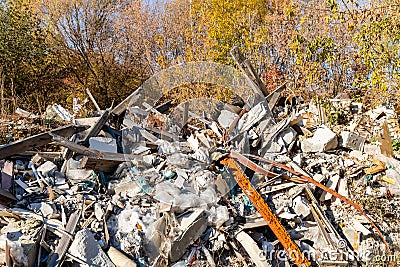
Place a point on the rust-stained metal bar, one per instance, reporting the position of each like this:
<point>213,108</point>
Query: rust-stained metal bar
<point>250,164</point>
<point>280,232</point>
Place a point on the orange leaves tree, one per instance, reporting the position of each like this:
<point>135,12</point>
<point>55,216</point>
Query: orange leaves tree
<point>92,41</point>
<point>320,47</point>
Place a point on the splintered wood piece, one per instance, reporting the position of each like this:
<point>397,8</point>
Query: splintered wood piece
<point>386,141</point>
<point>38,140</point>
<point>57,257</point>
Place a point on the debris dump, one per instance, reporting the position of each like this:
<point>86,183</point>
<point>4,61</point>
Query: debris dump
<point>272,181</point>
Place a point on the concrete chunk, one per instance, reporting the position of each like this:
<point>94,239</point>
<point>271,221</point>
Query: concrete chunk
<point>301,206</point>
<point>86,248</point>
<point>288,136</point>
<point>323,140</point>
<point>47,167</point>
<point>332,184</point>
<point>103,144</point>
<point>351,140</point>
<point>43,208</point>
<point>226,118</point>
<point>192,225</point>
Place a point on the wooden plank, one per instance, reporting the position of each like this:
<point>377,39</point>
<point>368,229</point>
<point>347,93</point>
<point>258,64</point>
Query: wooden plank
<point>7,175</point>
<point>95,130</point>
<point>8,255</point>
<point>57,257</point>
<point>163,134</point>
<point>185,113</point>
<point>273,97</point>
<point>96,160</point>
<point>247,68</point>
<point>256,254</point>
<point>121,107</point>
<point>164,107</point>
<point>93,100</point>
<point>386,141</point>
<point>38,140</point>
<point>46,155</point>
<point>148,136</point>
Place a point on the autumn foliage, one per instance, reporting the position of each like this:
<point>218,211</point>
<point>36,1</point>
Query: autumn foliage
<point>51,51</point>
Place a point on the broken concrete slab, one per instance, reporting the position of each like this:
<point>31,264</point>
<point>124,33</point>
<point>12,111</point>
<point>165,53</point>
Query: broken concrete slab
<point>103,144</point>
<point>288,136</point>
<point>192,224</point>
<point>86,248</point>
<point>256,114</point>
<point>226,118</point>
<point>46,168</point>
<point>323,140</point>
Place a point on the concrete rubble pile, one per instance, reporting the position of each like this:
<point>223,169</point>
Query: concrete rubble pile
<point>148,192</point>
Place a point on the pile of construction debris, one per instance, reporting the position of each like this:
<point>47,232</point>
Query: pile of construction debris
<point>273,183</point>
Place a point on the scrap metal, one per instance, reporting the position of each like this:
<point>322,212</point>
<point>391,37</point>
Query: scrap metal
<point>280,232</point>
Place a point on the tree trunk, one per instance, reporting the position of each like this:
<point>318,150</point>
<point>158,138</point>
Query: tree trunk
<point>2,91</point>
<point>14,101</point>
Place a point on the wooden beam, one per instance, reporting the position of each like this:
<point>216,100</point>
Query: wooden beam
<point>46,155</point>
<point>247,68</point>
<point>273,97</point>
<point>38,140</point>
<point>107,164</point>
<point>57,257</point>
<point>93,100</point>
<point>164,107</point>
<point>96,160</point>
<point>121,107</point>
<point>95,130</point>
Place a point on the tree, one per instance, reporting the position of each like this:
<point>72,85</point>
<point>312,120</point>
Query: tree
<point>90,38</point>
<point>378,39</point>
<point>22,49</point>
<point>321,47</point>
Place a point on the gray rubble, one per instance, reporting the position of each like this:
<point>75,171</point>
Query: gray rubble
<point>135,194</point>
<point>86,249</point>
